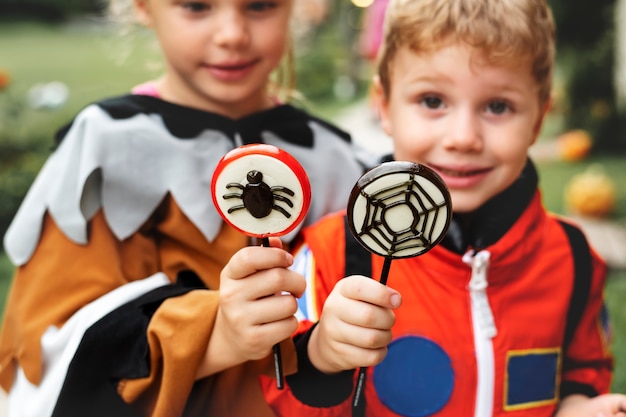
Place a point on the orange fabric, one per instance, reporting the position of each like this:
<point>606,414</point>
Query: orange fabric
<point>530,279</point>
<point>63,276</point>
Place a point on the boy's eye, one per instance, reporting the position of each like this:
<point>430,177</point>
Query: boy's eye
<point>432,102</point>
<point>497,107</point>
<point>260,6</point>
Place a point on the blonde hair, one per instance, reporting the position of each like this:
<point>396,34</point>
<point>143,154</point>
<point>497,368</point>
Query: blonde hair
<point>283,81</point>
<point>511,31</point>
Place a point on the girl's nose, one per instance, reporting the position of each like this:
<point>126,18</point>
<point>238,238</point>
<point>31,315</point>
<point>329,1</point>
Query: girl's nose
<point>464,133</point>
<point>231,30</point>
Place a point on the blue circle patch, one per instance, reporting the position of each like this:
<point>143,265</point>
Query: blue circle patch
<point>416,378</point>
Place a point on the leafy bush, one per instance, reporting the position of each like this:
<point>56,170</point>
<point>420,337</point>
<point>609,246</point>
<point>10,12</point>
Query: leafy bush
<point>47,10</point>
<point>21,151</point>
<point>586,45</point>
<point>19,164</point>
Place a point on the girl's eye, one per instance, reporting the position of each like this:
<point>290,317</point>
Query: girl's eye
<point>498,107</point>
<point>196,7</point>
<point>432,102</point>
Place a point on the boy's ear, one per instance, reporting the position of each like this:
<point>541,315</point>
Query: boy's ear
<point>539,123</point>
<point>383,104</point>
<point>142,12</point>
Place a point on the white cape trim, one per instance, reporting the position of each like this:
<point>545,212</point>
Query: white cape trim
<point>59,347</point>
<point>127,166</point>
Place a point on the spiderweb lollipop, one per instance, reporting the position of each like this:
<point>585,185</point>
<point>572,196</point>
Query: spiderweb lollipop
<point>397,210</point>
<point>262,191</point>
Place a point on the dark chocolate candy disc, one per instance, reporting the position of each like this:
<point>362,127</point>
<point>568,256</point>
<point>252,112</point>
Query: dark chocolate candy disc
<point>399,209</point>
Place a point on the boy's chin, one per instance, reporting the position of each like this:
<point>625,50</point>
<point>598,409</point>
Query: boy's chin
<point>466,204</point>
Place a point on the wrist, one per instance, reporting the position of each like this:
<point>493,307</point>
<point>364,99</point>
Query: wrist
<point>221,353</point>
<point>316,354</point>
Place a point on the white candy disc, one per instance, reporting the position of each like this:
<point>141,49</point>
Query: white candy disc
<point>261,190</point>
<point>399,209</point>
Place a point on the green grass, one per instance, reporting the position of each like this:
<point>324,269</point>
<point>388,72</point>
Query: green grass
<point>6,272</point>
<point>87,59</point>
<point>615,293</point>
<point>555,175</point>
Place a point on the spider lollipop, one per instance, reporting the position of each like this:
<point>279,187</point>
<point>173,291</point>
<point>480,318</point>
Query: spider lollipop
<point>398,210</point>
<point>262,191</point>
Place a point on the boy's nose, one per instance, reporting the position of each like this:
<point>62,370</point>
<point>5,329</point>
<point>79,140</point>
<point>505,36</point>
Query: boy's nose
<point>464,133</point>
<point>231,30</point>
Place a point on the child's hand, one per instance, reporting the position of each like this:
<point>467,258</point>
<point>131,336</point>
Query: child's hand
<point>256,308</point>
<point>607,405</point>
<point>355,326</point>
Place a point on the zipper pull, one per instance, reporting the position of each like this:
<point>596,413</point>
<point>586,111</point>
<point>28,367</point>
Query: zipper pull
<point>479,262</point>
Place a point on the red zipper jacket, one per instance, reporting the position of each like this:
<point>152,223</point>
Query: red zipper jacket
<point>480,334</point>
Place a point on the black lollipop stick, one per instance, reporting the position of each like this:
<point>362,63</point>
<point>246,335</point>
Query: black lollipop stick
<point>397,210</point>
<point>261,191</point>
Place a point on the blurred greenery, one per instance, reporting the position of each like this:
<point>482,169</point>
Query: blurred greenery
<point>47,10</point>
<point>6,274</point>
<point>615,292</point>
<point>555,175</point>
<point>586,49</point>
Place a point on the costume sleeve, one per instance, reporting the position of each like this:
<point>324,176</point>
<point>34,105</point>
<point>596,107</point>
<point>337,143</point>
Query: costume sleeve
<point>78,321</point>
<point>588,363</point>
<point>176,330</point>
<point>309,392</point>
<point>94,298</point>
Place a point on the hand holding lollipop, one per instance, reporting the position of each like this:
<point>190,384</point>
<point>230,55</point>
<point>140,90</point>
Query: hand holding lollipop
<point>398,210</point>
<point>262,191</point>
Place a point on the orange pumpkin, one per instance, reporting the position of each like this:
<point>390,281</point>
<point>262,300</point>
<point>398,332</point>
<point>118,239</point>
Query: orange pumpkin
<point>5,79</point>
<point>590,193</point>
<point>574,145</point>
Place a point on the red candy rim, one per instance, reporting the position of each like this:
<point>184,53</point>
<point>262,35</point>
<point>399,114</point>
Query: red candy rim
<point>273,152</point>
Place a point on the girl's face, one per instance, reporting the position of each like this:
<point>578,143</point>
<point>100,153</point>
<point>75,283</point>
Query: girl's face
<point>471,121</point>
<point>219,54</point>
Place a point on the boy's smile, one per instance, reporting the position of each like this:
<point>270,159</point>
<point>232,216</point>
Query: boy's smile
<point>470,120</point>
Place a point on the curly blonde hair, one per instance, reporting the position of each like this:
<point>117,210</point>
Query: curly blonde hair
<point>510,31</point>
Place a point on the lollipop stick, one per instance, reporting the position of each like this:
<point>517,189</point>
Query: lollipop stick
<point>360,382</point>
<point>278,366</point>
<point>261,191</point>
<point>385,272</point>
<point>278,361</point>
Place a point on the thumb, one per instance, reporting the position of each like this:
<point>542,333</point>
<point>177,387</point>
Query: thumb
<point>395,299</point>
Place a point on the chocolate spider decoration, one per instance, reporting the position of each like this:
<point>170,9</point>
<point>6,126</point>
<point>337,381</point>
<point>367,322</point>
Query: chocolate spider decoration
<point>397,210</point>
<point>258,197</point>
<point>275,195</point>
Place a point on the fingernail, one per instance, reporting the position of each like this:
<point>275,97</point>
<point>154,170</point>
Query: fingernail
<point>395,299</point>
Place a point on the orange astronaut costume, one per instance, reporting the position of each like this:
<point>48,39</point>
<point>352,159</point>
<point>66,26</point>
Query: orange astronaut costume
<point>505,317</point>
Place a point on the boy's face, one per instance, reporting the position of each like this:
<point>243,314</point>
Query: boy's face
<point>470,121</point>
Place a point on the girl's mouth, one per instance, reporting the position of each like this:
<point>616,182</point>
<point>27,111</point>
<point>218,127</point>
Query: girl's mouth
<point>231,72</point>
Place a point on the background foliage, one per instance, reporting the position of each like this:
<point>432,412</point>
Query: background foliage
<point>586,51</point>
